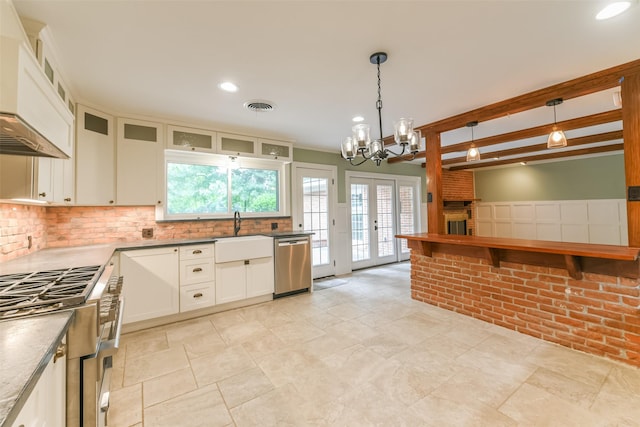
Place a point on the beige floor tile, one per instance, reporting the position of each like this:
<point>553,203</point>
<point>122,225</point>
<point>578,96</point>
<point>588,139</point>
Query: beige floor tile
<point>154,365</point>
<point>284,366</point>
<point>437,412</point>
<point>199,345</point>
<point>355,364</point>
<point>566,388</point>
<point>385,345</point>
<point>619,397</point>
<point>200,408</point>
<point>168,386</point>
<point>322,320</point>
<point>582,367</point>
<point>327,344</point>
<point>407,384</point>
<point>353,329</point>
<point>263,346</point>
<point>244,387</point>
<point>279,407</point>
<point>533,406</point>
<point>297,332</point>
<point>225,319</point>
<point>144,342</point>
<point>320,385</point>
<point>179,332</point>
<point>504,369</point>
<point>242,332</point>
<point>215,367</point>
<point>411,329</point>
<point>125,406</point>
<point>347,311</point>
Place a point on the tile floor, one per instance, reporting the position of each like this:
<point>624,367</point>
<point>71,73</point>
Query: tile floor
<point>361,354</point>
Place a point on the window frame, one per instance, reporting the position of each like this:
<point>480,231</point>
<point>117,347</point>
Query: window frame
<point>209,159</point>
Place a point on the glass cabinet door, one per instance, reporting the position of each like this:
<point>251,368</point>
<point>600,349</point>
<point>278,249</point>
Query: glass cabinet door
<point>183,138</point>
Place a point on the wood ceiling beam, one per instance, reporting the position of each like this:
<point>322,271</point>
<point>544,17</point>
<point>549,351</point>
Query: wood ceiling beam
<point>546,156</point>
<point>585,85</point>
<point>577,123</point>
<point>572,142</point>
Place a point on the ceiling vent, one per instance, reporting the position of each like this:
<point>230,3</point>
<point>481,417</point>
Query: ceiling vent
<point>259,105</point>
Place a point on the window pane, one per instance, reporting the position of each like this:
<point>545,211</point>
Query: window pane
<point>196,189</point>
<point>254,190</point>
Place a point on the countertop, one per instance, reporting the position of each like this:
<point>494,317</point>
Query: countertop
<point>26,347</point>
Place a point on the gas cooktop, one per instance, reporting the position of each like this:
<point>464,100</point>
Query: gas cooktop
<point>39,292</point>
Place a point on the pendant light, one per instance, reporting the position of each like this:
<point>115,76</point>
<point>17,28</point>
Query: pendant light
<point>360,143</point>
<point>556,138</point>
<point>473,153</point>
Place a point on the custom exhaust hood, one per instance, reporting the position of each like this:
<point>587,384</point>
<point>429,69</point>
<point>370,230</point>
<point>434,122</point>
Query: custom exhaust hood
<point>17,137</point>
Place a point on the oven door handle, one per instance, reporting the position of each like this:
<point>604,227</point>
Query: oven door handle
<point>110,348</point>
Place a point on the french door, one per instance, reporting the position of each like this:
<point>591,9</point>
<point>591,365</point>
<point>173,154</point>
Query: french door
<point>313,212</point>
<point>372,222</point>
<point>408,216</point>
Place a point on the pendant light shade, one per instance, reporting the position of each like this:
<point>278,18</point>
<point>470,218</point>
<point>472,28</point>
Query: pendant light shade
<point>556,138</point>
<point>473,153</point>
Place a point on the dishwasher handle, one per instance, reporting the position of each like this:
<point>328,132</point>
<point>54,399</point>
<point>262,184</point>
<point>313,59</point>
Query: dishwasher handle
<point>293,243</point>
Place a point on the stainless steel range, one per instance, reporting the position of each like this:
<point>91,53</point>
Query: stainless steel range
<point>93,337</point>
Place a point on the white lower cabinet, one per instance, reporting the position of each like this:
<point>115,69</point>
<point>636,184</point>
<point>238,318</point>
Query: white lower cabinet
<point>238,280</point>
<point>151,283</point>
<point>46,405</point>
<point>197,279</point>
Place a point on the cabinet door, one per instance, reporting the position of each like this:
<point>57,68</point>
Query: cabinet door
<point>138,163</point>
<point>231,279</point>
<point>150,287</point>
<point>237,145</point>
<point>95,158</point>
<point>45,180</point>
<point>260,277</point>
<point>57,392</point>
<point>181,138</point>
<point>277,150</point>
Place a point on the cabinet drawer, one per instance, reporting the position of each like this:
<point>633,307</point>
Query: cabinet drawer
<point>196,251</point>
<point>196,271</point>
<point>193,297</point>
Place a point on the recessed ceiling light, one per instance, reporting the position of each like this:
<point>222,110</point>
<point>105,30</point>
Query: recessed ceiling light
<point>358,119</point>
<point>613,9</point>
<point>228,87</point>
<point>523,163</point>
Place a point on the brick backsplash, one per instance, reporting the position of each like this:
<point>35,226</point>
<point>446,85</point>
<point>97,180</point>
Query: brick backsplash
<point>598,314</point>
<point>81,225</point>
<point>17,224</point>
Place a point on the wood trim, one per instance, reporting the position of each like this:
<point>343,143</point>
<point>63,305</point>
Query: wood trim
<point>631,132</point>
<point>578,123</point>
<point>575,258</point>
<point>591,83</point>
<point>546,156</point>
<point>572,142</point>
<point>435,218</point>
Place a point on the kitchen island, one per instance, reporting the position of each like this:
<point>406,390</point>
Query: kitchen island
<point>582,296</point>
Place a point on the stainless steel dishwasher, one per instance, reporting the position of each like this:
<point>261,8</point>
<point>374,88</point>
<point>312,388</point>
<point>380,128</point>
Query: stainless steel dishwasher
<point>292,264</point>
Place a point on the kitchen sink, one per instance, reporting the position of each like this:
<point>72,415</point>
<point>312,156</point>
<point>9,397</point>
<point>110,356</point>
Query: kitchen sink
<point>243,247</point>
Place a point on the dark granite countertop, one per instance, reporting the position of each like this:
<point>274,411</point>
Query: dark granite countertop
<point>26,346</point>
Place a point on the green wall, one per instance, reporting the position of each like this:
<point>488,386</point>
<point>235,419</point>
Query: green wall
<point>591,178</point>
<point>334,159</point>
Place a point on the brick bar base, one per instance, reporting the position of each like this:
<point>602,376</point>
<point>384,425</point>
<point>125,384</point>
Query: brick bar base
<point>599,314</point>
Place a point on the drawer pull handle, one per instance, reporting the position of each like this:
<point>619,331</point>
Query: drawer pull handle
<point>197,251</point>
<point>197,270</point>
<point>198,295</point>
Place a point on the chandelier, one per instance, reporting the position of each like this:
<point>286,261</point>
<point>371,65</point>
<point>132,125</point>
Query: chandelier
<point>360,143</point>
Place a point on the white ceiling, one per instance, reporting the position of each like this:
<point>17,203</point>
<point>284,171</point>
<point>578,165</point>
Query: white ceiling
<point>311,58</point>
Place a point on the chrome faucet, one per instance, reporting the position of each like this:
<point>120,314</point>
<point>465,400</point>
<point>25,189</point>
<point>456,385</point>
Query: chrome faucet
<point>236,223</point>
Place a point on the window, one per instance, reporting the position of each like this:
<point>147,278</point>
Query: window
<point>204,186</point>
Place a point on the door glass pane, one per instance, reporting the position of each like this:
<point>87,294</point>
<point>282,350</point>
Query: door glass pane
<point>384,195</point>
<point>315,202</point>
<point>360,222</point>
<point>406,214</point>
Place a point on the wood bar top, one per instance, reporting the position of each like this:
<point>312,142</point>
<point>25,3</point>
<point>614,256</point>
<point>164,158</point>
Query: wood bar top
<point>623,253</point>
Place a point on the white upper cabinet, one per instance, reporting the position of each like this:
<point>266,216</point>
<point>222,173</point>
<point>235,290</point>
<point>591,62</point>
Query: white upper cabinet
<point>26,90</point>
<point>278,150</point>
<point>139,162</point>
<point>95,158</point>
<point>237,145</point>
<point>190,139</point>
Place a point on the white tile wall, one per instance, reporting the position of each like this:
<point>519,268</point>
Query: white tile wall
<point>584,221</point>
